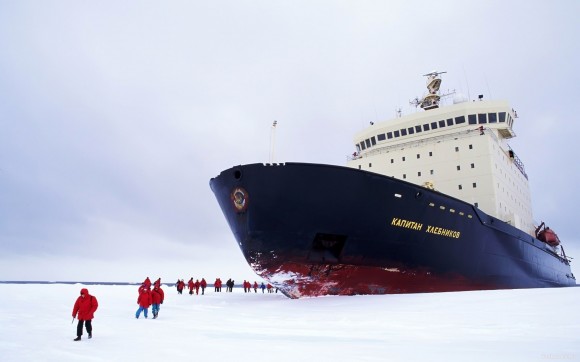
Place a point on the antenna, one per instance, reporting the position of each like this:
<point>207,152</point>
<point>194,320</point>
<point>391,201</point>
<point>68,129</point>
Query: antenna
<point>273,141</point>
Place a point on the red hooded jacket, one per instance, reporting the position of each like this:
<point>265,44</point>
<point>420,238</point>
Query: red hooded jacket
<point>144,299</point>
<point>157,295</point>
<point>85,306</point>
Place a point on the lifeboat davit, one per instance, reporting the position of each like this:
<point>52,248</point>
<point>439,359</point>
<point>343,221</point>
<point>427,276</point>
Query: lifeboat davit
<point>547,235</point>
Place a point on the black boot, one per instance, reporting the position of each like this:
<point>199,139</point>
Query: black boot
<point>77,339</point>
<point>90,335</point>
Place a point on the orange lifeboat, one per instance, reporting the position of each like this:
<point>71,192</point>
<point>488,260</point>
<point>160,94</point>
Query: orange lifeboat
<point>547,235</point>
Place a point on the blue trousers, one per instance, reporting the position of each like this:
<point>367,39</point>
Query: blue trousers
<point>155,308</point>
<point>145,311</point>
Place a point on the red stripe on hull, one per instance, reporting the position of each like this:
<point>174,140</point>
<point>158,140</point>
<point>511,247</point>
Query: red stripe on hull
<point>299,280</point>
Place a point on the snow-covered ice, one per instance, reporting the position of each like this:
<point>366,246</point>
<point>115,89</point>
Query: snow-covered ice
<point>507,325</point>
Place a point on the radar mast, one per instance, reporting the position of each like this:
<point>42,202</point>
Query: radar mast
<point>431,100</point>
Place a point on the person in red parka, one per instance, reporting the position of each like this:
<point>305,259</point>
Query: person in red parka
<point>85,306</point>
<point>203,284</point>
<point>180,286</point>
<point>190,285</point>
<point>144,302</point>
<point>157,296</point>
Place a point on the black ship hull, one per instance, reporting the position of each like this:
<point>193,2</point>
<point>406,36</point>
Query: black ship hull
<point>315,230</point>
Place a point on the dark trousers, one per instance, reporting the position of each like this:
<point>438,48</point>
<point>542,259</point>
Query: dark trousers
<point>88,325</point>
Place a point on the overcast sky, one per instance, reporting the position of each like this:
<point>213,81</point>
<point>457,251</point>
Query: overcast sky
<point>115,115</point>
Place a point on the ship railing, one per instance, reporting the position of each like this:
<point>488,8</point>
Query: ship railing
<point>519,164</point>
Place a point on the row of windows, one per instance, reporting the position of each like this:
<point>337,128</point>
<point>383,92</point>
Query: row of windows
<point>480,118</point>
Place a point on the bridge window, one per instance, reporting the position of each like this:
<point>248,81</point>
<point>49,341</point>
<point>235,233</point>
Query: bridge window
<point>433,125</point>
<point>373,141</point>
<point>426,127</point>
<point>492,117</point>
<point>368,143</point>
<point>502,117</point>
<point>411,130</point>
<point>417,129</point>
<point>460,119</point>
<point>389,135</point>
<point>441,123</point>
<point>450,121</point>
<point>381,137</point>
<point>403,132</point>
<point>472,119</point>
<point>482,118</point>
<point>397,134</point>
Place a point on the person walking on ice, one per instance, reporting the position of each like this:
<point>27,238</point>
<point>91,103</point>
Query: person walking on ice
<point>144,302</point>
<point>85,306</point>
<point>157,296</point>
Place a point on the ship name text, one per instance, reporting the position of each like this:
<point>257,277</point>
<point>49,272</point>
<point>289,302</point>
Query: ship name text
<point>413,225</point>
<point>443,232</point>
<point>407,224</point>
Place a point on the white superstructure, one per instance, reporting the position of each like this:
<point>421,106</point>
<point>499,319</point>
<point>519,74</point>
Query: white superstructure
<point>460,150</point>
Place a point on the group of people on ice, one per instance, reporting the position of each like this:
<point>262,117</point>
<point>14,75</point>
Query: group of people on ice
<point>150,298</point>
<point>86,304</point>
<point>180,285</point>
<point>248,287</point>
<point>191,285</point>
